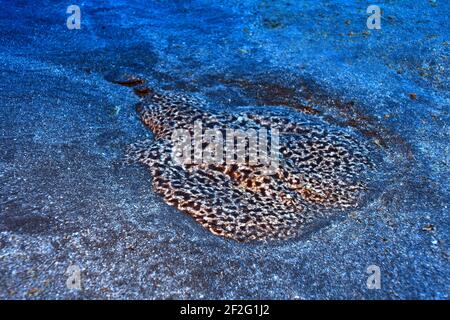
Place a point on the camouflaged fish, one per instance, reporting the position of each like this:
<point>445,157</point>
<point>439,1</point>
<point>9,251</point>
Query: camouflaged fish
<point>320,168</point>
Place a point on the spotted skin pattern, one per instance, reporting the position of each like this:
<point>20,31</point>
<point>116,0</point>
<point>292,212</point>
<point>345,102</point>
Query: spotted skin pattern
<point>320,169</point>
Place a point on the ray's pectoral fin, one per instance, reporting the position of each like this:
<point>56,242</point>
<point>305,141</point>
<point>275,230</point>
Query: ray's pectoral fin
<point>141,151</point>
<point>223,207</point>
<point>326,170</point>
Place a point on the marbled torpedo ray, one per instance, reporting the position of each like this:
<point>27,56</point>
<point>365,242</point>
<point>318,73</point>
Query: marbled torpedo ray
<point>321,168</point>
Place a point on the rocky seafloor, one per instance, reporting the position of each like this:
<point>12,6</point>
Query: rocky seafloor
<point>67,198</point>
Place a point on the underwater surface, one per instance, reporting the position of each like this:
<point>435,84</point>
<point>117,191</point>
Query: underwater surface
<point>67,198</point>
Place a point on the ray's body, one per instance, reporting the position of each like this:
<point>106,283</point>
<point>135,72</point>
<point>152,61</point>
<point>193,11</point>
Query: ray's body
<point>320,168</point>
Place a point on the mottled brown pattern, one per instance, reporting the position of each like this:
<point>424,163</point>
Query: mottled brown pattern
<point>321,168</point>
